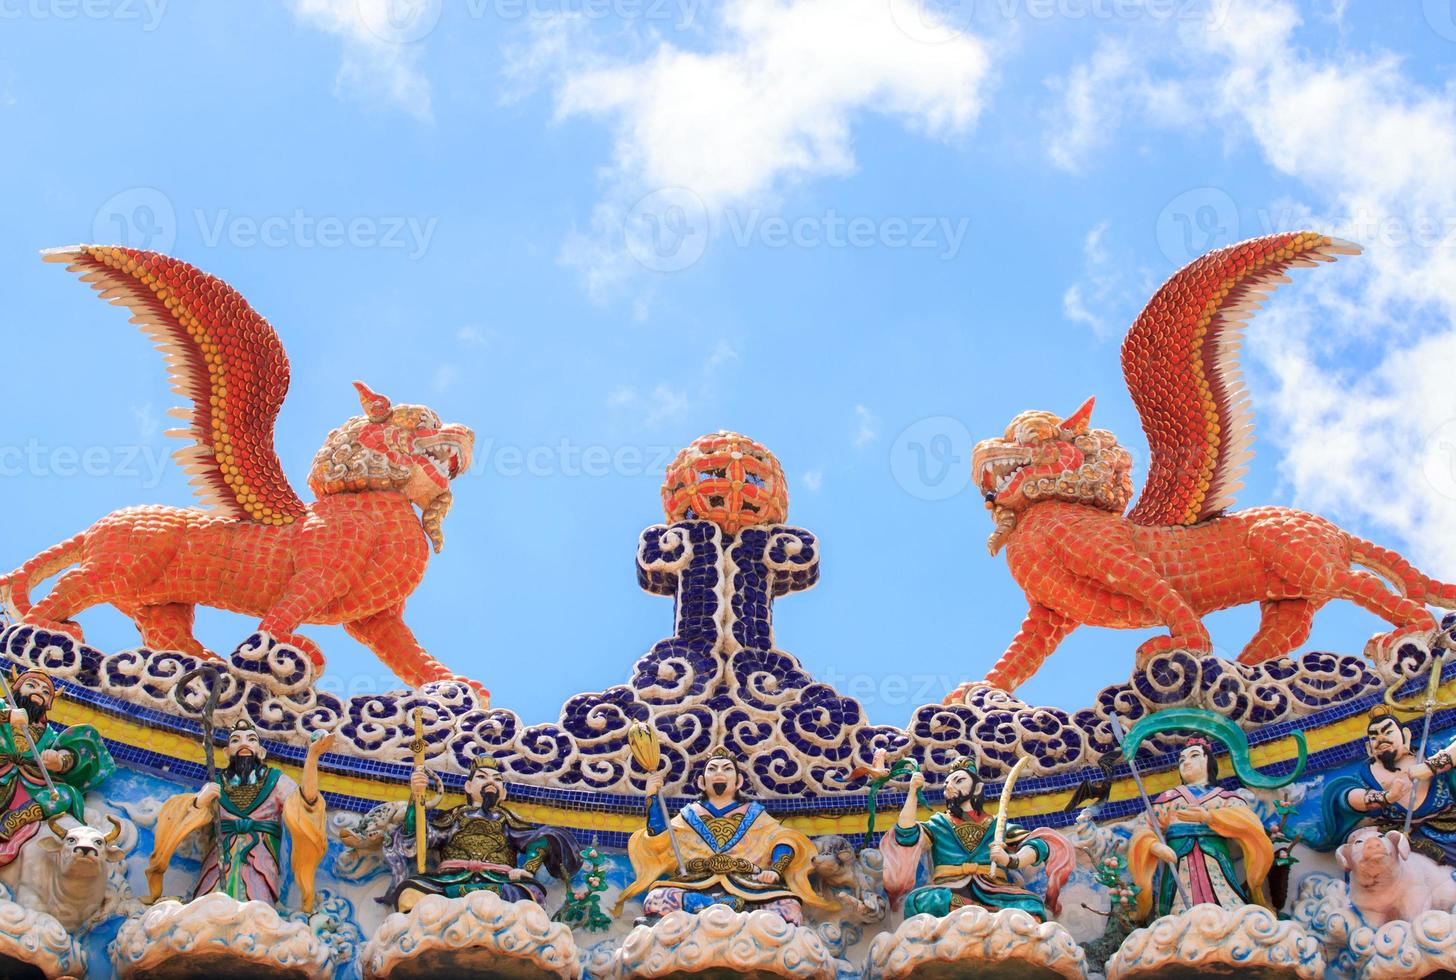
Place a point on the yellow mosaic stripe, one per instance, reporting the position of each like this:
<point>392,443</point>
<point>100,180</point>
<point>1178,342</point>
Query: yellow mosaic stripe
<point>188,749</point>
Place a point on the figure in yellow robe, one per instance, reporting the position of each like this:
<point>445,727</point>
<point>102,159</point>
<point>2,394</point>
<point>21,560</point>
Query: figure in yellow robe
<point>1200,821</point>
<point>734,853</point>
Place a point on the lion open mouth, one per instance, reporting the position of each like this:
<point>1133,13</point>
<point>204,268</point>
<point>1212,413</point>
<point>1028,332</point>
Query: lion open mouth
<point>446,452</point>
<point>445,459</point>
<point>995,475</point>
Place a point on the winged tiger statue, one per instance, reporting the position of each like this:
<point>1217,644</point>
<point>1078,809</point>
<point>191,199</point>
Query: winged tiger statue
<point>350,558</point>
<point>1057,490</point>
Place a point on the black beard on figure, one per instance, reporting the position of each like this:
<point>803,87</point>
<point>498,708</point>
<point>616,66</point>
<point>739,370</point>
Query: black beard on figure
<point>240,767</point>
<point>1389,759</point>
<point>35,708</point>
<point>963,804</point>
<point>489,799</point>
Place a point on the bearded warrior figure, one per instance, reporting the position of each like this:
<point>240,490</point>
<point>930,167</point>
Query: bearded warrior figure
<point>1394,786</point>
<point>969,866</point>
<point>1057,489</point>
<point>250,805</point>
<point>481,845</point>
<point>351,558</point>
<point>75,758</point>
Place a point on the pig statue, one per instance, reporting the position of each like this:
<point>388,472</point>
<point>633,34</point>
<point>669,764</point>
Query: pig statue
<point>1388,883</point>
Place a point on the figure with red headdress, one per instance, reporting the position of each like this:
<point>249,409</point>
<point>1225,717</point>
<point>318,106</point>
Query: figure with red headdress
<point>75,758</point>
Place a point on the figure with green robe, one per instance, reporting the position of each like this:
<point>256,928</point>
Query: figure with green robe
<point>244,812</point>
<point>968,867</point>
<point>75,758</point>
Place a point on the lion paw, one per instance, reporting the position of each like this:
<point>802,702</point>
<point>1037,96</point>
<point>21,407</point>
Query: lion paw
<point>304,645</point>
<point>67,627</point>
<point>480,689</point>
<point>1166,644</point>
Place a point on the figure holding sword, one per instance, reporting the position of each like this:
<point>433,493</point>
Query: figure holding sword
<point>1203,843</point>
<point>975,857</point>
<point>44,772</point>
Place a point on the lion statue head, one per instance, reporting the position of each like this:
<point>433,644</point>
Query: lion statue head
<point>1044,457</point>
<point>395,447</point>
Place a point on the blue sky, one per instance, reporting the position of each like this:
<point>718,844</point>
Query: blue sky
<point>864,232</point>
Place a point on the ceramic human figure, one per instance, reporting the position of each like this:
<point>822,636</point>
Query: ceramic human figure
<point>1380,793</point>
<point>481,845</point>
<point>734,853</point>
<point>75,758</point>
<point>1201,822</point>
<point>968,866</point>
<point>253,804</point>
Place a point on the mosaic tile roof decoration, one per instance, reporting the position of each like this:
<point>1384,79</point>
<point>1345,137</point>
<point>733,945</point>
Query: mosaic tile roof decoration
<point>822,870</point>
<point>718,679</point>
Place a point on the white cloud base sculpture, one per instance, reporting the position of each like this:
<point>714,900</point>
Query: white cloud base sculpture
<point>477,935</point>
<point>37,940</point>
<point>1207,940</point>
<point>218,936</point>
<point>720,942</point>
<point>974,941</point>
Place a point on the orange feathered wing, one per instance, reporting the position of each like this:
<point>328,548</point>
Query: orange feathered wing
<point>222,356</point>
<point>1180,360</point>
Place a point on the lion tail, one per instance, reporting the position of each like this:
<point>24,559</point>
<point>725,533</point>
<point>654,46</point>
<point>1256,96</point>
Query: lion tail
<point>15,587</point>
<point>1408,579</point>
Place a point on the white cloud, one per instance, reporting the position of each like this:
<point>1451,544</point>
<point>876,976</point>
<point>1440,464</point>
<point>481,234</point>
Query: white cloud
<point>867,427</point>
<point>379,63</point>
<point>445,376</point>
<point>667,404</point>
<point>1085,299</point>
<point>148,423</point>
<point>1096,94</point>
<point>814,480</point>
<point>472,336</point>
<point>622,395</point>
<point>1359,424</point>
<point>1360,413</point>
<point>771,100</point>
<point>724,353</point>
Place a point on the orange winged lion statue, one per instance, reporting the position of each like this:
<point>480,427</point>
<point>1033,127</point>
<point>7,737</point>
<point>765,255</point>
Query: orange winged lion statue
<point>351,558</point>
<point>1057,489</point>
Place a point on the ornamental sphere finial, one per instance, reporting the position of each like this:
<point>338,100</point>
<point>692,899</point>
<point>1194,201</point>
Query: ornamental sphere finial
<point>728,479</point>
